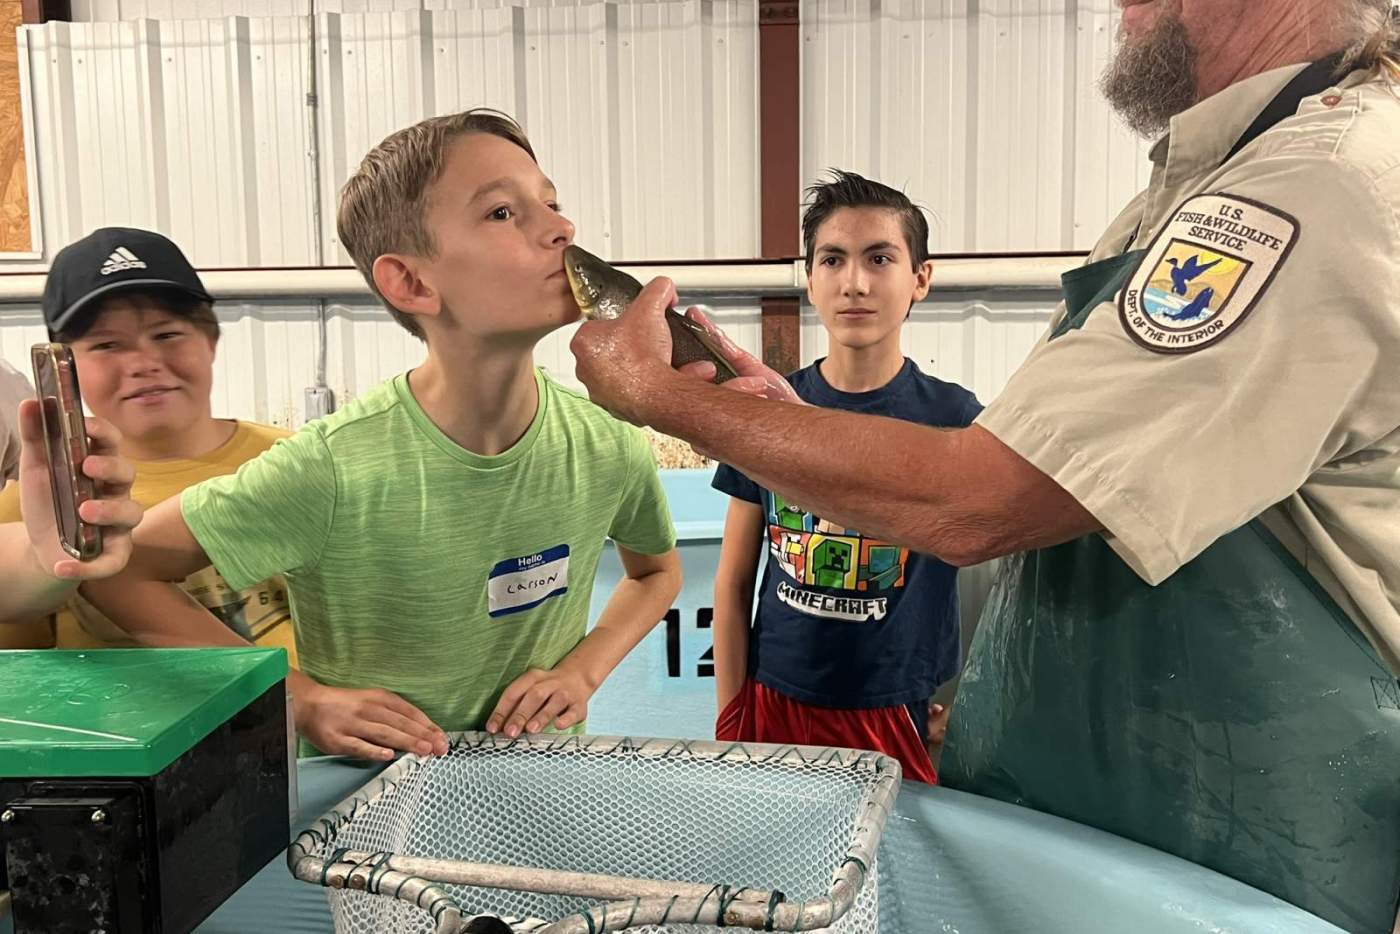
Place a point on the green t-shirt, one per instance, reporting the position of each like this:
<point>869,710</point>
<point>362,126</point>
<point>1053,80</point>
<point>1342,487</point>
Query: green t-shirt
<point>417,566</point>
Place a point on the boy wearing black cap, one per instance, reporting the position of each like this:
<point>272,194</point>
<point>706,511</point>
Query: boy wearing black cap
<point>143,333</point>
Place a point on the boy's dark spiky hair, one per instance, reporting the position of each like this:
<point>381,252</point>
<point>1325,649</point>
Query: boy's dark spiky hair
<point>849,190</point>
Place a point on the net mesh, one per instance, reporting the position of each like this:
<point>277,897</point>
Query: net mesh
<point>743,817</point>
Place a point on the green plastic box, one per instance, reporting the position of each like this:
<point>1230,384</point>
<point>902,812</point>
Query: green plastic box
<point>121,711</point>
<point>139,788</point>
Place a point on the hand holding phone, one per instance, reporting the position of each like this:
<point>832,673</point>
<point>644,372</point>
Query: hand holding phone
<point>74,487</point>
<point>65,448</point>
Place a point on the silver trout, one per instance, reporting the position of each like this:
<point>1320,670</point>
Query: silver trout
<point>603,291</point>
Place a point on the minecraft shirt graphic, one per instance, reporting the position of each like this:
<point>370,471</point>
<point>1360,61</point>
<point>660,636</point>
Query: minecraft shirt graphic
<point>813,552</point>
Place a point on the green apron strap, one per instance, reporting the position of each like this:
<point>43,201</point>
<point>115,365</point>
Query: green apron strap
<point>1087,287</point>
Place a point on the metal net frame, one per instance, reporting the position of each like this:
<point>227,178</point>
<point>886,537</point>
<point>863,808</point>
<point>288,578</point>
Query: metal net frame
<point>573,834</point>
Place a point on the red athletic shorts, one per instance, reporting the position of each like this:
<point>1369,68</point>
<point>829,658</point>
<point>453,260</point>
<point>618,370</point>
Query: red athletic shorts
<point>760,714</point>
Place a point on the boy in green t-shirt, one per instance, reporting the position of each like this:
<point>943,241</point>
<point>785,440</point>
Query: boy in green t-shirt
<point>439,535</point>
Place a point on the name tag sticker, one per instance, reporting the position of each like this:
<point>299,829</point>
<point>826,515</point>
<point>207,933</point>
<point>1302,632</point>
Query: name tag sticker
<point>519,584</point>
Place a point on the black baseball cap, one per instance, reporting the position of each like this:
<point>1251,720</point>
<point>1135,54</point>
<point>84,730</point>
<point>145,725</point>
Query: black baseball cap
<point>111,260</point>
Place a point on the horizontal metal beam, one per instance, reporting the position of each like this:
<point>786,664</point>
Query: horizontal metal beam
<point>741,279</point>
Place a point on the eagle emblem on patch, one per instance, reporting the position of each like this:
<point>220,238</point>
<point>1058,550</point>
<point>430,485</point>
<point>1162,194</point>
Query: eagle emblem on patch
<point>1204,272</point>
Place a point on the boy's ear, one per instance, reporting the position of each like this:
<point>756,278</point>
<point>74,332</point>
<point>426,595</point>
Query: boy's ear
<point>397,278</point>
<point>923,279</point>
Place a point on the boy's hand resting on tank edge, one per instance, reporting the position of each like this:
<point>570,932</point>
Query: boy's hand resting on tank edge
<point>364,723</point>
<point>540,697</point>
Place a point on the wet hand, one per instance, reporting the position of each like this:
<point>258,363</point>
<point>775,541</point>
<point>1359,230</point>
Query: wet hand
<point>755,377</point>
<point>112,509</point>
<point>623,362</point>
<point>538,698</point>
<point>363,723</point>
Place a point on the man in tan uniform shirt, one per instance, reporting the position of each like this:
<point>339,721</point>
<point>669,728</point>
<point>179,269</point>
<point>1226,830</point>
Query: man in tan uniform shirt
<point>1213,672</point>
<point>1297,417</point>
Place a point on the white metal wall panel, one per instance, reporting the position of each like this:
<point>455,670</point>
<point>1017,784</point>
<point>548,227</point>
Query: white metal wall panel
<point>683,163</point>
<point>607,93</point>
<point>985,111</point>
<point>20,329</point>
<point>1109,161</point>
<point>195,128</point>
<point>266,358</point>
<point>281,166</point>
<point>192,118</point>
<point>198,128</point>
<point>1019,128</point>
<point>365,346</point>
<point>372,81</point>
<point>116,10</point>
<point>111,10</point>
<point>93,141</point>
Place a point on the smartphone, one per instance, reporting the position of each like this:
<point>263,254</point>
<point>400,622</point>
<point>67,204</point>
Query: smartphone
<point>66,444</point>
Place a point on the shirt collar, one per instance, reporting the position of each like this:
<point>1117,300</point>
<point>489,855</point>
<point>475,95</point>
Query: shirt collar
<point>1201,137</point>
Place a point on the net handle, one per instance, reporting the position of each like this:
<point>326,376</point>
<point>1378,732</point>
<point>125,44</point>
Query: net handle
<point>529,879</point>
<point>772,914</point>
<point>374,876</point>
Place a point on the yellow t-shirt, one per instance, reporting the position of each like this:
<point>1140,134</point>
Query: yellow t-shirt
<point>258,612</point>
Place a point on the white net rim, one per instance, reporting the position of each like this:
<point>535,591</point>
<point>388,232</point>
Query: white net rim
<point>627,901</point>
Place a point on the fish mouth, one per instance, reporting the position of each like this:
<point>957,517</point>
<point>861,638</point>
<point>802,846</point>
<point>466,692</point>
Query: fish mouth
<point>576,271</point>
<point>600,290</point>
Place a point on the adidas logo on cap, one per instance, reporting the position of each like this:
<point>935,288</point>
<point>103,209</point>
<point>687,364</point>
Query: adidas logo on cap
<point>121,258</point>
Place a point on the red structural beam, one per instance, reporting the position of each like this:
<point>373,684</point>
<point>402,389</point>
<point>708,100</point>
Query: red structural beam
<point>41,11</point>
<point>780,184</point>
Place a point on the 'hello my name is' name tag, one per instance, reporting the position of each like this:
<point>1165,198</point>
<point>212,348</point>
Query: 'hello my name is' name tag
<point>518,584</point>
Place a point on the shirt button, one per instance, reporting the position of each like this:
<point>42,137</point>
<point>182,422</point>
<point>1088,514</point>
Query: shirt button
<point>1332,99</point>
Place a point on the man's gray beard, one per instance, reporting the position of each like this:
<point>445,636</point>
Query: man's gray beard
<point>1152,79</point>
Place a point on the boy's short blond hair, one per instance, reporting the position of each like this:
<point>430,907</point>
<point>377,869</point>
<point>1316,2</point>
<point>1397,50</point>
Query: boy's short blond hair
<point>382,206</point>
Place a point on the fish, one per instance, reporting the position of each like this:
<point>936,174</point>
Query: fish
<point>603,291</point>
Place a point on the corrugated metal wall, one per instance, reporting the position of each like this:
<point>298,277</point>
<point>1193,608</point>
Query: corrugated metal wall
<point>196,128</point>
<point>986,110</point>
<point>644,114</point>
<point>192,117</point>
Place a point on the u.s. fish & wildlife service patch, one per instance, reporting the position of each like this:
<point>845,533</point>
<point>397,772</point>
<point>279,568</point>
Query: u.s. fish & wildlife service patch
<point>1204,272</point>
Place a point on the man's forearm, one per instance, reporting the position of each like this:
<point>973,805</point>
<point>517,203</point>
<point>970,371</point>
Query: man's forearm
<point>30,590</point>
<point>888,478</point>
<point>959,495</point>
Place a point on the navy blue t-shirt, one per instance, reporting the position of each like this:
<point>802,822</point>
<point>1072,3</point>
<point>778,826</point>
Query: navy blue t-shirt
<point>844,620</point>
